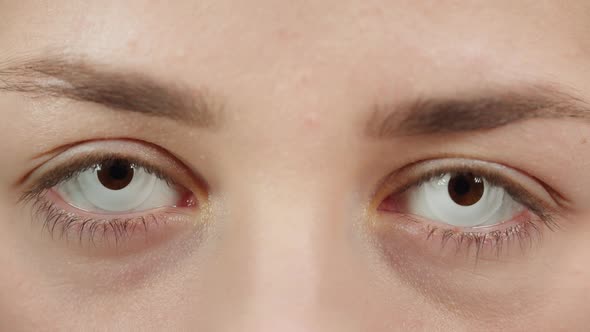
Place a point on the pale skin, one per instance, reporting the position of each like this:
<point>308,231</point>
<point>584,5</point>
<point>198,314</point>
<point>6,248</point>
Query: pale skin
<point>286,236</point>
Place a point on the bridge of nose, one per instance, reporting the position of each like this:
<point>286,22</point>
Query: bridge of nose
<point>291,248</point>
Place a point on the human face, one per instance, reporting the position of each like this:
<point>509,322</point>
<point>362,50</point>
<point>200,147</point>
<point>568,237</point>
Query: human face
<point>362,165</point>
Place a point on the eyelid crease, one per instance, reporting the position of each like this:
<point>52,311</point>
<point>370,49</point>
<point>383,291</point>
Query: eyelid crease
<point>49,155</point>
<point>85,159</point>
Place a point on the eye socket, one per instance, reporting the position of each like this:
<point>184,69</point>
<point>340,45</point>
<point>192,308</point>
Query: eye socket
<point>105,191</point>
<point>119,186</point>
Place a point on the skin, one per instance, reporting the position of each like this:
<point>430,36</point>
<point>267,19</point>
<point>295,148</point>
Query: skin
<point>290,241</point>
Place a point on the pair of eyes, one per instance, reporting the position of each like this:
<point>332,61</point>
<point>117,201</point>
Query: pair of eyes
<point>454,196</point>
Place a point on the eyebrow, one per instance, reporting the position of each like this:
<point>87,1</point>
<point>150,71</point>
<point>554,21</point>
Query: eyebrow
<point>478,111</point>
<point>122,90</point>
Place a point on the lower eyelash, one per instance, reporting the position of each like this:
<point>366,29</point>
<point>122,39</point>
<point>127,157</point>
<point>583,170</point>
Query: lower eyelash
<point>64,224</point>
<point>494,240</point>
<point>524,233</point>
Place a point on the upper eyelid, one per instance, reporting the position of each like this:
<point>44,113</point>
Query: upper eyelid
<point>77,167</point>
<point>419,172</point>
<point>146,155</point>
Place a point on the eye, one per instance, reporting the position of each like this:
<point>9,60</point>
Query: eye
<point>117,186</point>
<point>465,193</point>
<point>462,199</point>
<point>482,207</point>
<point>106,191</point>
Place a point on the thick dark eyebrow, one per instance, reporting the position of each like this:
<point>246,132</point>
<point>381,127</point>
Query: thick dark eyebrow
<point>124,90</point>
<point>478,111</point>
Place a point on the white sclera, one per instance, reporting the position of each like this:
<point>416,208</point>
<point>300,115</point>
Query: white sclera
<point>145,191</point>
<point>432,200</point>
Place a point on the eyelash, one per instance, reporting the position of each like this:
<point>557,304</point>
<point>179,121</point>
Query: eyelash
<point>539,216</point>
<point>59,222</point>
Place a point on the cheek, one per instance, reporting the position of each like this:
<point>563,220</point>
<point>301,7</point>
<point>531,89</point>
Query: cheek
<point>570,258</point>
<point>27,292</point>
<point>453,283</point>
<point>505,291</point>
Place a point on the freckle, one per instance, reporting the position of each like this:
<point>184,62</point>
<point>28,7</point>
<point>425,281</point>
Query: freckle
<point>311,120</point>
<point>584,141</point>
<point>286,35</point>
<point>132,44</point>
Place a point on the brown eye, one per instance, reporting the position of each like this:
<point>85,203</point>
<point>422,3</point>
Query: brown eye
<point>116,174</point>
<point>466,189</point>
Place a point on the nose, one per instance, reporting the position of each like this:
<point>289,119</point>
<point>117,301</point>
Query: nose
<point>293,250</point>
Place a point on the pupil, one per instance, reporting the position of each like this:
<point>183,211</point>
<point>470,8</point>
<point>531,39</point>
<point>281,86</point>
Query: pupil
<point>115,175</point>
<point>119,172</point>
<point>462,186</point>
<point>466,189</point>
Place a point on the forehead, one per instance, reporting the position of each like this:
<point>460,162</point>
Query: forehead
<point>345,48</point>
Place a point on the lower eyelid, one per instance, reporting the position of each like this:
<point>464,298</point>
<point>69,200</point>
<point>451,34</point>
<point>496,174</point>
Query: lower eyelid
<point>61,221</point>
<point>53,197</point>
<point>441,240</point>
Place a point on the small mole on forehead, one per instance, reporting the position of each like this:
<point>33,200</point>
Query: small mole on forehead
<point>310,120</point>
<point>285,34</point>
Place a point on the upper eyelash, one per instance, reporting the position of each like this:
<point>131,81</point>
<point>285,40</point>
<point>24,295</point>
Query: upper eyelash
<point>516,191</point>
<point>80,165</point>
